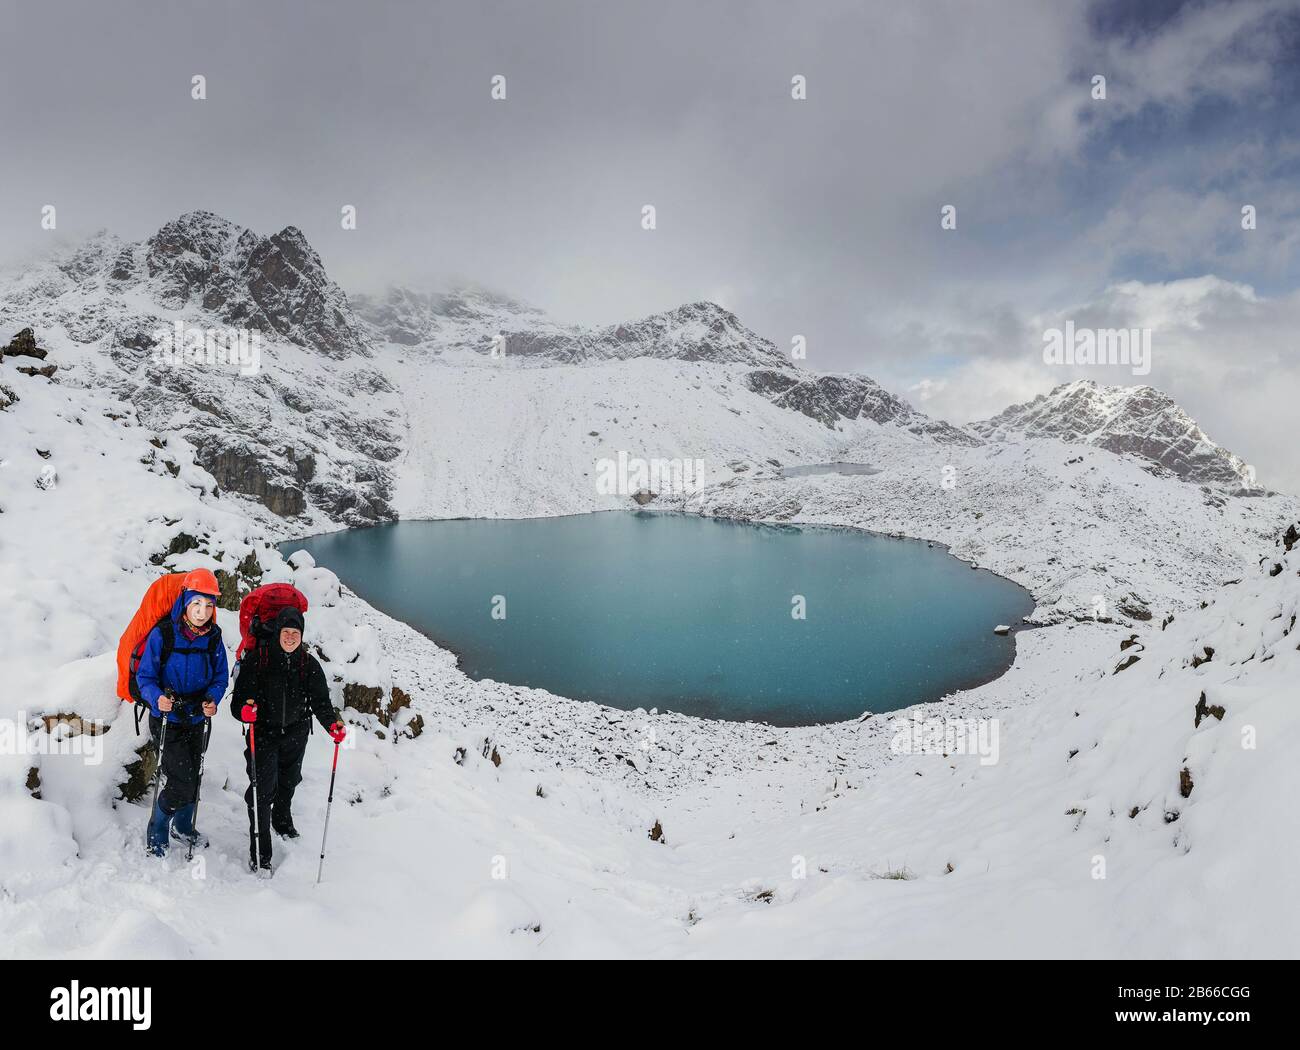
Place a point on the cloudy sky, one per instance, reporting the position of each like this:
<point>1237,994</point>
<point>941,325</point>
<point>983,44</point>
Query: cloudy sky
<point>818,217</point>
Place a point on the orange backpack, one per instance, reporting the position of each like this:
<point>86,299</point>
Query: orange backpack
<point>157,603</point>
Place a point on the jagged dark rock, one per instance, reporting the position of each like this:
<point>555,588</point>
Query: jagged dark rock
<point>231,594</point>
<point>238,468</point>
<point>352,504</point>
<point>139,772</point>
<point>249,567</point>
<point>830,398</point>
<point>1204,710</point>
<point>1132,606</point>
<point>365,699</point>
<point>272,284</point>
<point>181,543</point>
<point>24,345</point>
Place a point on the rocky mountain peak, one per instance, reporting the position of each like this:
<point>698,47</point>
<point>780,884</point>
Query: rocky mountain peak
<point>1140,420</point>
<point>699,331</point>
<point>273,284</point>
<point>473,317</point>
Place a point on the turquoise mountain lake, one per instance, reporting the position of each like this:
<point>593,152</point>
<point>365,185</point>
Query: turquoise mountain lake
<point>687,613</point>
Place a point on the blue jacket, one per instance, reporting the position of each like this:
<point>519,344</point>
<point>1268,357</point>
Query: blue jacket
<point>189,669</point>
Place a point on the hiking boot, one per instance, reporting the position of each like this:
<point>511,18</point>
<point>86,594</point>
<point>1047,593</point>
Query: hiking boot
<point>264,853</point>
<point>155,844</point>
<point>183,829</point>
<point>284,828</point>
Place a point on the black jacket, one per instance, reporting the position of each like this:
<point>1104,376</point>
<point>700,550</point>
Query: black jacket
<point>287,687</point>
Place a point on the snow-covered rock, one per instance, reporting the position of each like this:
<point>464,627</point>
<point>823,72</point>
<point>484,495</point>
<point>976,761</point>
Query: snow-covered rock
<point>274,284</point>
<point>1139,421</point>
<point>310,433</point>
<point>829,398</point>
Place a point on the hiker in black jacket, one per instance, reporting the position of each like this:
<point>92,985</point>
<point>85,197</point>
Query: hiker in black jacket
<point>279,687</point>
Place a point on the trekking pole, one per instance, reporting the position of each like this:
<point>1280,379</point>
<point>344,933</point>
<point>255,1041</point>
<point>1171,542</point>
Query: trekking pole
<point>328,805</point>
<point>252,765</point>
<point>198,787</point>
<point>157,773</point>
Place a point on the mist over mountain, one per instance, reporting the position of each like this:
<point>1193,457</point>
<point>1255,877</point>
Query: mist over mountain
<point>322,427</point>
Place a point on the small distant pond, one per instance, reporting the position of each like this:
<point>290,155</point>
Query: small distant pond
<point>829,468</point>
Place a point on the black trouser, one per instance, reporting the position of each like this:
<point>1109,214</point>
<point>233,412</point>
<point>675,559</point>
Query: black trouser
<point>180,762</point>
<point>280,751</point>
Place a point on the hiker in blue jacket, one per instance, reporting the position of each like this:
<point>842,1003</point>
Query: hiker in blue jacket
<point>182,676</point>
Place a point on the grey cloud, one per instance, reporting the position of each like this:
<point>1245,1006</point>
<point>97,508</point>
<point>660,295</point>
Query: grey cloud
<point>818,218</point>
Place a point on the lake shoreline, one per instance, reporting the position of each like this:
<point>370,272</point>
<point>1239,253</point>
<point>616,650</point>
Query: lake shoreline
<point>603,699</point>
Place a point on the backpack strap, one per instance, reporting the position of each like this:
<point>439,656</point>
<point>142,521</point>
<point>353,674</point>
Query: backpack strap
<point>168,631</point>
<point>168,634</point>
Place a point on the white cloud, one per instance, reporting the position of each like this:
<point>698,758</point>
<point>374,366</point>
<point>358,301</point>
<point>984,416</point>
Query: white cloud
<point>1229,356</point>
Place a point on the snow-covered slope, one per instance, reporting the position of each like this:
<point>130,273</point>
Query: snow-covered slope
<point>508,821</point>
<point>818,841</point>
<point>311,433</point>
<point>1090,534</point>
<point>1127,420</point>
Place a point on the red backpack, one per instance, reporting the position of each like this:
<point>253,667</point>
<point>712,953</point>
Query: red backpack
<point>258,610</point>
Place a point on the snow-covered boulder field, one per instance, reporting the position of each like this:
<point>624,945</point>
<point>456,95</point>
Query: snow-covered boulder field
<point>1139,800</point>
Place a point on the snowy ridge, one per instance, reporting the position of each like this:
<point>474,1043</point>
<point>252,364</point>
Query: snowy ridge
<point>320,434</point>
<point>472,318</point>
<point>828,398</point>
<point>465,318</point>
